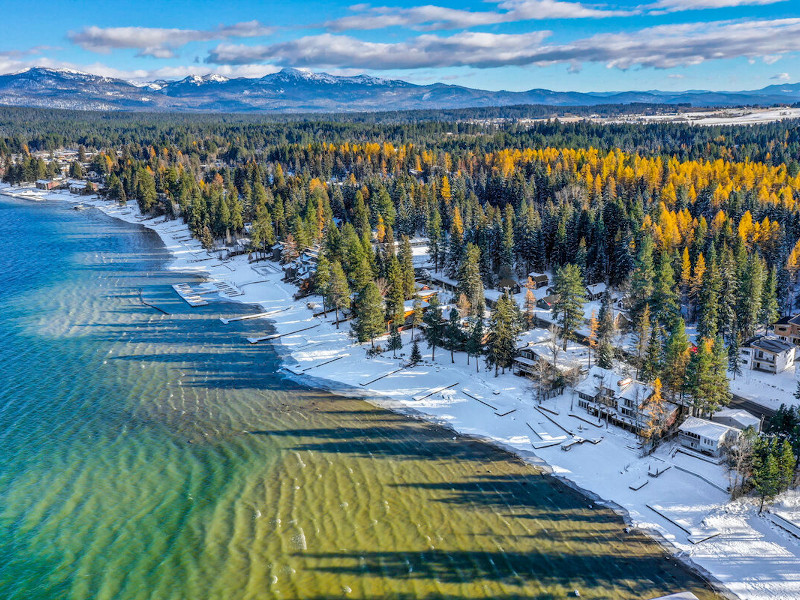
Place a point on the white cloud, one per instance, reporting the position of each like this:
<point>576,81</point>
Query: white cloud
<point>660,47</point>
<point>430,17</point>
<point>328,50</point>
<point>158,42</point>
<point>781,77</point>
<point>667,6</point>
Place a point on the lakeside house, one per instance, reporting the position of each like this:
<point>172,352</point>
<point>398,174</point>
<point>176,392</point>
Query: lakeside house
<point>767,353</point>
<point>706,436</point>
<point>737,418</point>
<point>623,401</point>
<point>48,184</point>
<point>788,329</point>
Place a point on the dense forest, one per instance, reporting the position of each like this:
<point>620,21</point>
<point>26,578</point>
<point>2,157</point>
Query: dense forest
<point>698,225</point>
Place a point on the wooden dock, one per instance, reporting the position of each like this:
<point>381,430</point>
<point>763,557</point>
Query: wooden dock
<point>263,315</point>
<point>275,336</point>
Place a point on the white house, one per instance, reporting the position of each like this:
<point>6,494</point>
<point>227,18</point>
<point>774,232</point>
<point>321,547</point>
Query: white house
<point>767,353</point>
<point>706,436</point>
<point>738,418</point>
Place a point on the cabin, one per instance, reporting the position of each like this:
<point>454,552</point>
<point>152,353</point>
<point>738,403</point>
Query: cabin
<point>47,184</point>
<point>737,418</point>
<point>622,401</point>
<point>539,280</point>
<point>509,284</point>
<point>767,353</point>
<point>788,329</point>
<point>706,436</point>
<point>533,358</point>
<point>546,303</point>
<point>595,291</point>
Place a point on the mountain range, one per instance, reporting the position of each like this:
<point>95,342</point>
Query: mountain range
<point>294,90</point>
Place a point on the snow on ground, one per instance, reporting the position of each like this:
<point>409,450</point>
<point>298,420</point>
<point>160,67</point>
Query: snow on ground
<point>685,503</point>
<point>765,388</point>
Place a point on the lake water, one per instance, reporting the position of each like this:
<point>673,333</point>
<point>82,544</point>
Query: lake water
<point>152,456</point>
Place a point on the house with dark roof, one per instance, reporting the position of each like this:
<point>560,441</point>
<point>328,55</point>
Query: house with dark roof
<point>767,353</point>
<point>788,329</point>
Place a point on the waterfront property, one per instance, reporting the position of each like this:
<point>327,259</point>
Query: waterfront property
<point>623,401</point>
<point>706,436</point>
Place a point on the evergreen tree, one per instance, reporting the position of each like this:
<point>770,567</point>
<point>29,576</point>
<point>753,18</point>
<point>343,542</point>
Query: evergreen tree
<point>734,362</point>
<point>605,333</point>
<point>642,285</point>
<point>469,279</point>
<point>570,296</point>
<point>395,341</point>
<point>665,296</point>
<point>434,329</point>
<point>416,315</point>
<point>676,358</point>
<point>322,278</point>
<point>369,314</point>
<point>338,292</point>
<point>768,312</point>
<point>503,332</point>
<point>454,337</point>
<point>416,355</point>
<point>474,343</point>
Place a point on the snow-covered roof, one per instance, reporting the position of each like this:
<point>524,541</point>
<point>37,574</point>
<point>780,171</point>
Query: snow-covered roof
<point>769,343</point>
<point>737,415</point>
<point>596,288</point>
<point>705,429</point>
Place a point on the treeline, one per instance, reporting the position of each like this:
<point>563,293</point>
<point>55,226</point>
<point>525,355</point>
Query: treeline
<point>706,236</point>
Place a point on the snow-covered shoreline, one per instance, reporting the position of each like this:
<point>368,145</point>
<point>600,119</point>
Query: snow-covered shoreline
<point>745,552</point>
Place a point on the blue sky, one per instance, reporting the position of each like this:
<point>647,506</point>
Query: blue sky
<point>493,44</point>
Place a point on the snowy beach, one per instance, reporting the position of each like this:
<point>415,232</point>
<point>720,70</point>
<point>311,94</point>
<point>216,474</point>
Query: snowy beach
<point>678,497</point>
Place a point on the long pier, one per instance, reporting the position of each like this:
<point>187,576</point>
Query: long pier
<point>255,316</point>
<point>275,336</point>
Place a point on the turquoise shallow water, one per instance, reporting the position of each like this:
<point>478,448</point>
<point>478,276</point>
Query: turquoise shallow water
<point>150,456</point>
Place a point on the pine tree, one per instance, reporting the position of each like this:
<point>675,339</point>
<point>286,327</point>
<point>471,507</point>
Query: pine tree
<point>676,358</point>
<point>605,333</point>
<point>474,345</point>
<point>435,238</point>
<point>416,355</point>
<point>642,285</point>
<point>406,258</point>
<point>453,335</point>
<point>322,278</point>
<point>395,341</point>
<point>708,302</point>
<point>570,296</point>
<point>593,325</point>
<point>768,312</point>
<point>665,296</point>
<point>642,332</point>
<point>734,362</point>
<point>434,329</point>
<point>503,332</point>
<point>338,290</point>
<point>469,279</point>
<point>416,315</point>
<point>369,314</point>
<point>395,295</point>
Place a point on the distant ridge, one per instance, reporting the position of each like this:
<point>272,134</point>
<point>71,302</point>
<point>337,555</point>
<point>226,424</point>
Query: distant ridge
<point>295,90</point>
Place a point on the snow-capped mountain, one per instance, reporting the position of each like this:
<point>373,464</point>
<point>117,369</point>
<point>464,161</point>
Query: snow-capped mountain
<point>300,90</point>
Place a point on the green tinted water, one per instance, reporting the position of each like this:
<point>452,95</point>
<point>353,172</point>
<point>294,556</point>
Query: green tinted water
<point>151,456</point>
